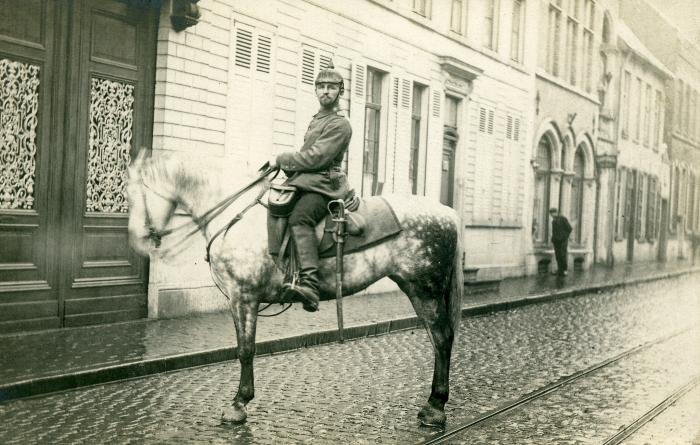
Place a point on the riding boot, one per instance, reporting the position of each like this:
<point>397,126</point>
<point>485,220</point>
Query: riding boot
<point>306,289</point>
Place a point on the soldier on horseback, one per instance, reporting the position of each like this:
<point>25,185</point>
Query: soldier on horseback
<point>315,170</point>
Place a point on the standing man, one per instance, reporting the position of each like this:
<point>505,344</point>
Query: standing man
<point>561,229</point>
<point>316,172</point>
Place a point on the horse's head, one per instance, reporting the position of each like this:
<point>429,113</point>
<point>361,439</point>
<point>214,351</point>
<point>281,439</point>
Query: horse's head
<point>150,207</point>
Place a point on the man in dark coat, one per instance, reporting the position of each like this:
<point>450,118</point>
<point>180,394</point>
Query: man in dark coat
<point>316,171</point>
<point>561,229</point>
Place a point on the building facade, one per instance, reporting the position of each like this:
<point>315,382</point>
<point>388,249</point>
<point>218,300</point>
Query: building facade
<point>563,170</point>
<point>682,114</point>
<point>437,97</point>
<point>459,100</point>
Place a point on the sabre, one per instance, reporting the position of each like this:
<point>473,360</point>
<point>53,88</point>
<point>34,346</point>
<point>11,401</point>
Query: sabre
<point>339,238</point>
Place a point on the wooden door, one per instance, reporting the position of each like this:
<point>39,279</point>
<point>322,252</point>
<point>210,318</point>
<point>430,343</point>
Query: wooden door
<point>83,72</point>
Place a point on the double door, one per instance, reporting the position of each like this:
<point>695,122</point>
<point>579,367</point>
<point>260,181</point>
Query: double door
<point>76,93</point>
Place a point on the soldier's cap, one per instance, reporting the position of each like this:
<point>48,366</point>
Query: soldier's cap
<point>329,74</point>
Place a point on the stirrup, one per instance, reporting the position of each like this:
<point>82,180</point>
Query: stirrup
<point>292,292</point>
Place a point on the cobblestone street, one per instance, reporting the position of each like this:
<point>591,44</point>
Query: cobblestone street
<point>369,391</point>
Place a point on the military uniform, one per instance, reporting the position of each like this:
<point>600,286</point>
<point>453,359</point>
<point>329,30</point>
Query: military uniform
<point>316,171</point>
<point>316,166</point>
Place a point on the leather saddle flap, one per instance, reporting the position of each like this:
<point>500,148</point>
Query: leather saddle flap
<point>381,223</point>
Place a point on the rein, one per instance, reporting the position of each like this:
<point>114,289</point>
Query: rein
<point>208,216</point>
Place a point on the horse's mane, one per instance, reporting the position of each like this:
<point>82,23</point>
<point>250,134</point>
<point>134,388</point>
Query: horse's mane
<point>180,172</point>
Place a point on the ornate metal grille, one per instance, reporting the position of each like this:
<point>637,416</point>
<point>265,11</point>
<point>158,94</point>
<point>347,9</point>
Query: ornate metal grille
<point>111,130</point>
<point>19,104</point>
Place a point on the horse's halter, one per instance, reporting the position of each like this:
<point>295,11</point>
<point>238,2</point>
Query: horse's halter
<point>156,235</point>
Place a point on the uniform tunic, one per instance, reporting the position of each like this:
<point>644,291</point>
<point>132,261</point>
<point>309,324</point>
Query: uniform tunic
<point>316,167</point>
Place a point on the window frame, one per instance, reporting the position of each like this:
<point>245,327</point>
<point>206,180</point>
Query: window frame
<point>418,141</point>
<point>516,37</point>
<point>380,76</point>
<point>426,10</point>
<point>492,43</point>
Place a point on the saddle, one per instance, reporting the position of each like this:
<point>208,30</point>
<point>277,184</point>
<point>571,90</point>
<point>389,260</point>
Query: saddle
<point>360,234</point>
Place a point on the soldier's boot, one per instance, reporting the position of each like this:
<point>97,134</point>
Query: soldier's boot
<point>306,288</point>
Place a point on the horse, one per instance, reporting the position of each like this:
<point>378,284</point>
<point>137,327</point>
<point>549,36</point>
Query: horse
<point>428,270</point>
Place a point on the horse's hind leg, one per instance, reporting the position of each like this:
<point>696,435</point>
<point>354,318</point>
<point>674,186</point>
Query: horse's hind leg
<point>245,316</point>
<point>434,314</point>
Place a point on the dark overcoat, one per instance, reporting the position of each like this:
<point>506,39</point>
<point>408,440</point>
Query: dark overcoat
<point>316,167</point>
<point>561,229</point>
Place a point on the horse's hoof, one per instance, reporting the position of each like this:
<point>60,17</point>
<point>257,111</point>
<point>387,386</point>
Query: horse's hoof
<point>431,416</point>
<point>235,414</point>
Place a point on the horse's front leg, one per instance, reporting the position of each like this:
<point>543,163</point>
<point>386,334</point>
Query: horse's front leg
<point>245,315</point>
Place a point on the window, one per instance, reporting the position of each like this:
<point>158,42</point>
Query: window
<point>449,150</point>
<point>626,101</point>
<point>637,109</point>
<point>619,203</point>
<point>690,207</point>
<point>658,117</point>
<point>588,22</point>
<point>641,195</point>
<point>373,111</point>
<point>572,22</point>
<point>675,186</point>
<point>516,33</point>
<point>422,7</point>
<point>576,210</point>
<point>677,105</point>
<point>457,19</point>
<point>651,209</point>
<point>540,218</point>
<point>416,120</point>
<point>629,203</point>
<point>647,116</point>
<point>692,101</point>
<point>553,33</point>
<point>490,25</point>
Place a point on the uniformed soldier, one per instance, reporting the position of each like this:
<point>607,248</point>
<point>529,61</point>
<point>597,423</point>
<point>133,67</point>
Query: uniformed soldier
<point>316,171</point>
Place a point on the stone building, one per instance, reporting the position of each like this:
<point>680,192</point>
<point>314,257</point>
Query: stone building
<point>682,118</point>
<point>562,152</point>
<point>633,161</point>
<point>437,94</point>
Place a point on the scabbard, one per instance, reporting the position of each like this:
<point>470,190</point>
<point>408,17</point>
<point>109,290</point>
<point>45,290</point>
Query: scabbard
<point>339,246</point>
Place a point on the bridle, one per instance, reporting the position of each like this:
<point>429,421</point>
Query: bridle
<point>201,223</point>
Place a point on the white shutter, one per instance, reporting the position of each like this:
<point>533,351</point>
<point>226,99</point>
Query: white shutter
<point>356,89</point>
<point>249,128</point>
<point>433,157</point>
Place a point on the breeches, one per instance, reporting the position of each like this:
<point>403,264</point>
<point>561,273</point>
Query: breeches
<point>309,210</point>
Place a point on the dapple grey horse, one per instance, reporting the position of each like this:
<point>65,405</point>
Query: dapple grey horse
<point>424,259</point>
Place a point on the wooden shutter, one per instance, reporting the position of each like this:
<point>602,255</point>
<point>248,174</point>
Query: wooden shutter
<point>356,90</point>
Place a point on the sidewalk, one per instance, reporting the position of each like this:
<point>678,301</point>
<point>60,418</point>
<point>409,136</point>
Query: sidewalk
<point>40,362</point>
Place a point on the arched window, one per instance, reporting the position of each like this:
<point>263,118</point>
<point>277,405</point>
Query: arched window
<point>576,203</point>
<point>540,221</point>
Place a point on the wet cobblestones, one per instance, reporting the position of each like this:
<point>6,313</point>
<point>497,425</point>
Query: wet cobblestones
<point>679,424</point>
<point>593,409</point>
<point>366,391</point>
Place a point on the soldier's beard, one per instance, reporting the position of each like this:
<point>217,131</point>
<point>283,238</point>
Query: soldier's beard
<point>328,104</point>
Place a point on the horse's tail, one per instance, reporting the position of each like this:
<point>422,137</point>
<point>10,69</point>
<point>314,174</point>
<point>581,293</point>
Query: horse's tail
<point>456,288</point>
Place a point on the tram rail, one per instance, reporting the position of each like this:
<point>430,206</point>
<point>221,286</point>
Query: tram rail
<point>457,431</point>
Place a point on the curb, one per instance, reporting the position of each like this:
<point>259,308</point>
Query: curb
<point>122,371</point>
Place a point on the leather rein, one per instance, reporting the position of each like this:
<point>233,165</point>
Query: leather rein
<point>203,221</point>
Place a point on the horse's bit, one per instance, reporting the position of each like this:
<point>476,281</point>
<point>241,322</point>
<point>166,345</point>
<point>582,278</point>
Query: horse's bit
<point>156,235</point>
